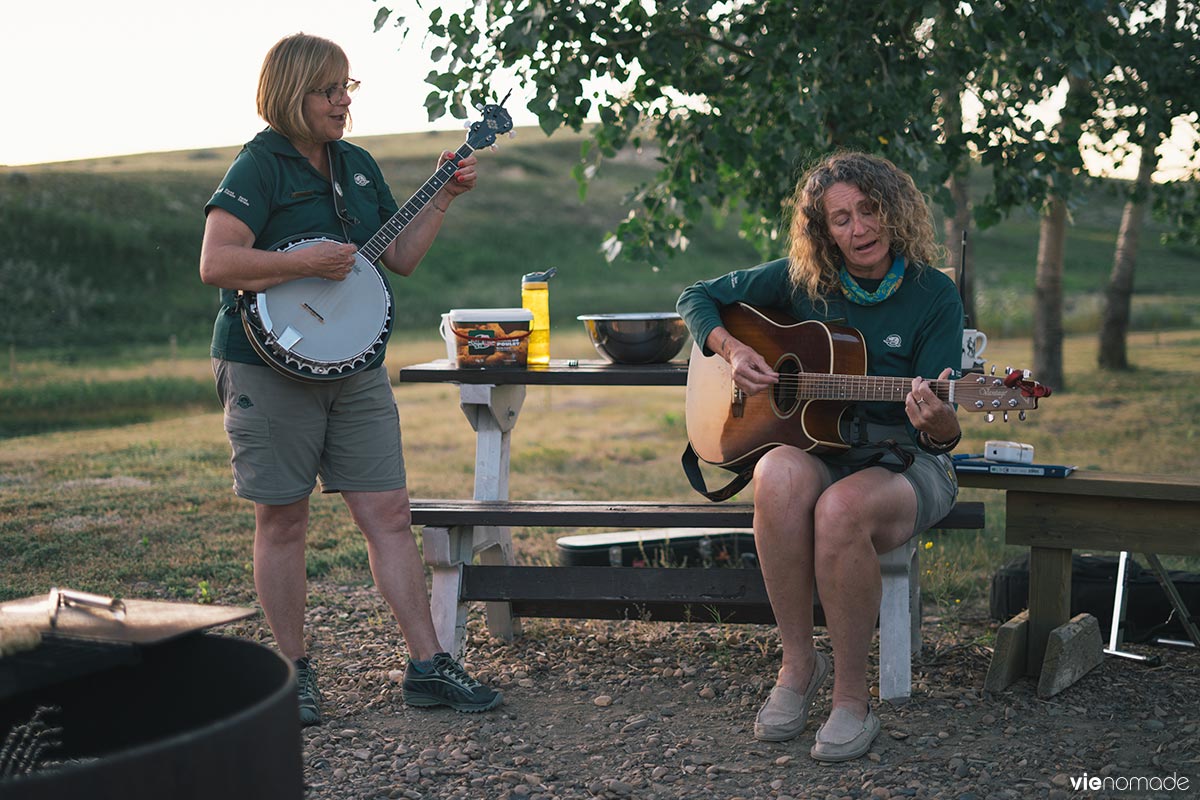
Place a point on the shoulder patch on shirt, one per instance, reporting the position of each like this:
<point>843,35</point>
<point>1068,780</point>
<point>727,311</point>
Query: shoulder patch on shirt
<point>893,340</point>
<point>360,179</point>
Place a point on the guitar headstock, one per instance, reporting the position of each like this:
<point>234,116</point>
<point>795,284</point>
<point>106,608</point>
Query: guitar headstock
<point>1014,391</point>
<point>496,122</point>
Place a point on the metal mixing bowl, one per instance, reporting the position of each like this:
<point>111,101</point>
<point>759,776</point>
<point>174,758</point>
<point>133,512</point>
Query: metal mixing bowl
<point>639,338</point>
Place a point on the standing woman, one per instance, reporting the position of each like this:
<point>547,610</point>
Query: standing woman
<point>862,251</point>
<point>285,433</point>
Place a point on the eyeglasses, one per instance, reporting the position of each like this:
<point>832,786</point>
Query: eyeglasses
<point>338,91</point>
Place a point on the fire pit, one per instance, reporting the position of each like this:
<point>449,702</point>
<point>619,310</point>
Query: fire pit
<point>195,716</point>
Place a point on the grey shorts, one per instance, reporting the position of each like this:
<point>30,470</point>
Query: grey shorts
<point>286,434</point>
<point>932,477</point>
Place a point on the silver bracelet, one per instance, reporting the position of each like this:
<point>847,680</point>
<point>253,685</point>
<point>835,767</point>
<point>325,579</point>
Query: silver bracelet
<point>942,447</point>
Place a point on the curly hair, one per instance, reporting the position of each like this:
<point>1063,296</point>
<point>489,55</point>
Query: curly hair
<point>903,210</point>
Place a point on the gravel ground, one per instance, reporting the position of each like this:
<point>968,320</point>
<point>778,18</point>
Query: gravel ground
<point>666,710</point>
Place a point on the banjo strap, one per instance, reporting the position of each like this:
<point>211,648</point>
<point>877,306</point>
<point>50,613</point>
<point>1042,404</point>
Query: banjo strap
<point>339,200</point>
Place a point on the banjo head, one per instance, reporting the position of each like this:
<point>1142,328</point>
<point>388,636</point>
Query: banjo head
<point>318,329</point>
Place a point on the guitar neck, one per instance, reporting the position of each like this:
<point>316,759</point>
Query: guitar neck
<point>392,229</point>
<point>823,386</point>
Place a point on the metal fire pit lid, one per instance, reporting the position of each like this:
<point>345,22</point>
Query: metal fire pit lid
<point>69,634</point>
<point>79,615</point>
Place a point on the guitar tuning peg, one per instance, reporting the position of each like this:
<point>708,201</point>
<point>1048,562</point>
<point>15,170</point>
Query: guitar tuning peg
<point>493,147</point>
<point>989,417</point>
<point>512,134</point>
<point>467,125</point>
<point>1006,416</point>
<point>993,369</point>
<point>1021,415</point>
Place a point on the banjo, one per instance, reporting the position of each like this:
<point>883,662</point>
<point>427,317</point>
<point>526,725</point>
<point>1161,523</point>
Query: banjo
<point>318,330</point>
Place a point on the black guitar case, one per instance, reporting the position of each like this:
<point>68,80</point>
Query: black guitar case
<point>1148,610</point>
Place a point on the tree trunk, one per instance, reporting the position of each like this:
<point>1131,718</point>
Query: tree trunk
<point>959,256</point>
<point>1047,313</point>
<point>1114,326</point>
<point>1047,309</point>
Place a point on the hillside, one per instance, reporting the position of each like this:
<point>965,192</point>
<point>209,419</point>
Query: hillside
<point>106,251</point>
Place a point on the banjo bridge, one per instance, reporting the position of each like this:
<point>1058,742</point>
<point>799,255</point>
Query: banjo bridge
<point>312,311</point>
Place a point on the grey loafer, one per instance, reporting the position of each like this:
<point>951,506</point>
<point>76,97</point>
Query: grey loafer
<point>843,737</point>
<point>785,713</point>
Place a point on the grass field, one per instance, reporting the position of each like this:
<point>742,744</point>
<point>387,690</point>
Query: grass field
<point>146,509</point>
<point>114,471</point>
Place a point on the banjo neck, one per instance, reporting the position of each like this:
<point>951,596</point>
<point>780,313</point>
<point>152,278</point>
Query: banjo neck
<point>392,229</point>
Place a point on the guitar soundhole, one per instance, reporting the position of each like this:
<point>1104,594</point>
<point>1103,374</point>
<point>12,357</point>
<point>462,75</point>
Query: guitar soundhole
<point>785,394</point>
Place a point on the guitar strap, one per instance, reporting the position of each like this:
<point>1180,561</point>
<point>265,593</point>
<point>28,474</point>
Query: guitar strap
<point>691,468</point>
<point>861,440</point>
<point>744,470</point>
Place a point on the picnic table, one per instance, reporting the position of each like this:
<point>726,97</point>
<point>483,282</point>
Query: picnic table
<point>456,531</point>
<point>1087,510</point>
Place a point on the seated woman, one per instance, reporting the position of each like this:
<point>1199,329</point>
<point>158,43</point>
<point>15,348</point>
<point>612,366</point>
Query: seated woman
<point>862,254</point>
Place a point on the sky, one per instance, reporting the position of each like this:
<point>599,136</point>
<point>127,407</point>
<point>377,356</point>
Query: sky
<point>96,79</point>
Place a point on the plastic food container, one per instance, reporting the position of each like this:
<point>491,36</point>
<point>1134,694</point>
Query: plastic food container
<point>484,338</point>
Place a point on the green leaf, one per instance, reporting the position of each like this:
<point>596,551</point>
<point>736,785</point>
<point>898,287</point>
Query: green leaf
<point>381,17</point>
<point>435,105</point>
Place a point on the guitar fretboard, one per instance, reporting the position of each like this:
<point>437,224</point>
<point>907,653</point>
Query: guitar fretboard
<point>824,386</point>
<point>392,229</point>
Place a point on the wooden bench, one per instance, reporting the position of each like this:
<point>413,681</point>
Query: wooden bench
<point>455,531</point>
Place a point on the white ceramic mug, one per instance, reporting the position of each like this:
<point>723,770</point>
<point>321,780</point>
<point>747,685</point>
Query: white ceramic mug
<point>449,337</point>
<point>973,344</point>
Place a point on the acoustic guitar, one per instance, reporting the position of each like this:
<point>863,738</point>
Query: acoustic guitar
<point>822,370</point>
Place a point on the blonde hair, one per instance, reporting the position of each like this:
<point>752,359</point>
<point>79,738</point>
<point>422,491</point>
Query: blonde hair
<point>903,210</point>
<point>293,67</point>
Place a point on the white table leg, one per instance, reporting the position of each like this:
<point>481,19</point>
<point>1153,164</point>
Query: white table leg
<point>443,552</point>
<point>492,411</point>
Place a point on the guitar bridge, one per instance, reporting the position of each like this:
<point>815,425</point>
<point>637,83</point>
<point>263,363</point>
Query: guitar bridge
<point>738,402</point>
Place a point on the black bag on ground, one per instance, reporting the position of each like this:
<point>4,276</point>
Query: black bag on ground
<point>1148,610</point>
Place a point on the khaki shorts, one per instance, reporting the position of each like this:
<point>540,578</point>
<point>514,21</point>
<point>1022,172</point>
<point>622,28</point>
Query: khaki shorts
<point>932,477</point>
<point>286,434</point>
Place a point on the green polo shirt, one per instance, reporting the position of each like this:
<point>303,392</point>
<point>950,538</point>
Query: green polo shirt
<point>916,331</point>
<point>278,194</point>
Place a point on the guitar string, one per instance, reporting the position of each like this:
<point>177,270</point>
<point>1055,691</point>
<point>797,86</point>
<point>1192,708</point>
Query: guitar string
<point>871,385</point>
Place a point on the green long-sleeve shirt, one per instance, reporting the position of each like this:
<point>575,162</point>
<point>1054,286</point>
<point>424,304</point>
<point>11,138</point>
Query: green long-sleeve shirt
<point>915,332</point>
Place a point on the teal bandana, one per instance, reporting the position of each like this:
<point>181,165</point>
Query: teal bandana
<point>887,287</point>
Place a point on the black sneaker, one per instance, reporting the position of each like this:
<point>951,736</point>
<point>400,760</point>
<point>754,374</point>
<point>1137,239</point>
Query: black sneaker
<point>307,693</point>
<point>446,683</point>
